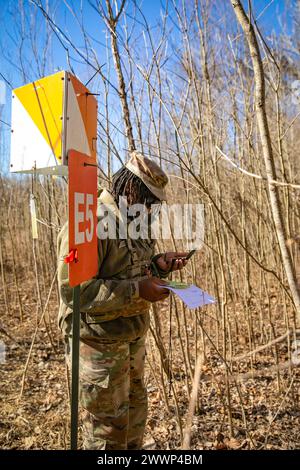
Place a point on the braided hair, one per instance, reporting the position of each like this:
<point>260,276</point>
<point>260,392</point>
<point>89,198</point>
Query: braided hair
<point>125,183</point>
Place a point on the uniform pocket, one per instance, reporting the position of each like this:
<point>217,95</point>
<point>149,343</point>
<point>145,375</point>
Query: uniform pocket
<point>94,386</point>
<point>94,375</point>
<point>103,377</point>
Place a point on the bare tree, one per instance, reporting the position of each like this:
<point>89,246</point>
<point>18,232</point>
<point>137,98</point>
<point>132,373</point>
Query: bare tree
<point>267,150</point>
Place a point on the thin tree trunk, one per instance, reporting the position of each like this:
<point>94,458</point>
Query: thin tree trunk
<point>112,21</point>
<point>186,445</point>
<point>267,150</point>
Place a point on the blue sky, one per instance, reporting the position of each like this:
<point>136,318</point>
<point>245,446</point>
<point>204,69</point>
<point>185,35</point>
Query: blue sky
<point>151,9</point>
<point>11,20</point>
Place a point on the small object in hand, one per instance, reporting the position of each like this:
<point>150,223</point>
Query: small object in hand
<point>190,254</point>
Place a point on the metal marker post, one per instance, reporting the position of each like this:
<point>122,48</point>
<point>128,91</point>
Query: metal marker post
<point>75,366</point>
<point>82,257</point>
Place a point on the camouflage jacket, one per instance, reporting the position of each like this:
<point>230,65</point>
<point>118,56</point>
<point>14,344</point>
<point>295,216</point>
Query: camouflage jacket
<point>109,302</point>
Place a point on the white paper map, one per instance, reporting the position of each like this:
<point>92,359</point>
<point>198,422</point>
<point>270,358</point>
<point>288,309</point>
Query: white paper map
<point>191,295</point>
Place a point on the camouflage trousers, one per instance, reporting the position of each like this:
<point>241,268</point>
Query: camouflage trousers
<point>112,394</point>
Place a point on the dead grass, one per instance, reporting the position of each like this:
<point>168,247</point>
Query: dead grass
<point>40,419</point>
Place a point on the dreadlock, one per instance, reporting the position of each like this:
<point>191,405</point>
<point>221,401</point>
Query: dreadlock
<point>125,183</point>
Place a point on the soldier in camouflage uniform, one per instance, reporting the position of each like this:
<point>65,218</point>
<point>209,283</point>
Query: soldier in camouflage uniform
<point>115,314</point>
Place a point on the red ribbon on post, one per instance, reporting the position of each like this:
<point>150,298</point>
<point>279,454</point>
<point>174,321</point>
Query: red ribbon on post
<point>72,256</point>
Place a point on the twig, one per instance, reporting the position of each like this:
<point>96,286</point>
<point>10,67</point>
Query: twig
<point>192,403</point>
<point>276,414</point>
<point>34,336</point>
<point>253,175</point>
<point>266,371</point>
<point>265,346</point>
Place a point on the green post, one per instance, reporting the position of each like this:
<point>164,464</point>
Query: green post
<point>75,366</point>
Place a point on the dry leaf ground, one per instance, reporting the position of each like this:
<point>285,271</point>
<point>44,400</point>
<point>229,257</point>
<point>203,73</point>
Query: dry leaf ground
<point>40,418</point>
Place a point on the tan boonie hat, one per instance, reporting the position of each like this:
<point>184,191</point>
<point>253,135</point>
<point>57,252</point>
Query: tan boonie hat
<point>150,173</point>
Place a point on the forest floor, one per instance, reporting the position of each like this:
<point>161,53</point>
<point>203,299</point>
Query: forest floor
<point>39,419</point>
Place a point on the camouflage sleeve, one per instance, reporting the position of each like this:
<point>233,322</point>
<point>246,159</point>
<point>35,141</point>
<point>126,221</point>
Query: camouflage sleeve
<point>95,294</point>
<point>156,270</point>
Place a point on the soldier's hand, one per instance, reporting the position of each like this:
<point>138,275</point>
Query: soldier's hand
<point>172,261</point>
<point>152,289</point>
